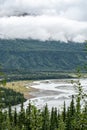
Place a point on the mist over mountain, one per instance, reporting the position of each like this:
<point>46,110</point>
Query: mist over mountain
<point>34,55</point>
<point>46,23</point>
<point>44,19</point>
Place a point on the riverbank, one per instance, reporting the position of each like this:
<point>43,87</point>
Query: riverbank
<point>23,87</point>
<point>52,92</point>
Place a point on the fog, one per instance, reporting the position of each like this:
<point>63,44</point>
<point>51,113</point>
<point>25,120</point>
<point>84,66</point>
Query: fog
<point>44,19</point>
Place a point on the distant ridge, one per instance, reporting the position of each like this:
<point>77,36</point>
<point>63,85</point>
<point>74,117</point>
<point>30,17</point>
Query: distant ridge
<point>34,55</point>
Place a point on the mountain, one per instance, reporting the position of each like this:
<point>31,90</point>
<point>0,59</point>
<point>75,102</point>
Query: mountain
<point>34,55</point>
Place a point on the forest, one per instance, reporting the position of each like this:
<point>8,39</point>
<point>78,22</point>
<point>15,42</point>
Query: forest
<point>43,60</point>
<point>71,118</point>
<point>19,55</point>
<point>10,97</point>
<point>34,59</point>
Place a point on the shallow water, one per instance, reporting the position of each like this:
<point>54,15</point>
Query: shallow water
<point>53,92</point>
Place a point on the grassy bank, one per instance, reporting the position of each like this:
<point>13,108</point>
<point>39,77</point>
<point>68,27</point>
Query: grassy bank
<point>23,87</point>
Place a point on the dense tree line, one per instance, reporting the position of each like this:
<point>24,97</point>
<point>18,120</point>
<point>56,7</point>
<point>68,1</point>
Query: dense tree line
<point>23,75</point>
<point>8,96</point>
<point>72,118</point>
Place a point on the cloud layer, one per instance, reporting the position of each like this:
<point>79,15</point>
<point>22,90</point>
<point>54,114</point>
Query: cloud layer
<point>45,19</point>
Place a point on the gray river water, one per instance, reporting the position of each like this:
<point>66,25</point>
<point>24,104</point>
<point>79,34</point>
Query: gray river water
<point>53,92</point>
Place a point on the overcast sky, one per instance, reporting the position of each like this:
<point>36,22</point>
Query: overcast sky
<point>46,19</point>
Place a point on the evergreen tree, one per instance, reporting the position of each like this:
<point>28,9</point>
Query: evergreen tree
<point>36,119</point>
<point>53,119</point>
<point>21,117</point>
<point>68,119</point>
<point>1,119</point>
<point>45,118</point>
<point>64,112</point>
<point>29,117</point>
<point>72,107</point>
<point>15,120</point>
<point>2,83</point>
<point>84,118</point>
<point>62,125</point>
<point>78,106</point>
<point>10,113</point>
<point>56,118</point>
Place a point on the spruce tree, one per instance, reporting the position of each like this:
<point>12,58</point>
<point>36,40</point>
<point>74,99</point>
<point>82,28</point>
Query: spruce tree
<point>72,107</point>
<point>62,125</point>
<point>21,117</point>
<point>29,117</point>
<point>64,112</point>
<point>56,117</point>
<point>15,120</point>
<point>45,118</point>
<point>68,119</point>
<point>53,119</point>
<point>36,119</point>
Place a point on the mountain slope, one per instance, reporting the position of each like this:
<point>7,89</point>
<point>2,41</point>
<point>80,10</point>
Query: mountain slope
<point>34,55</point>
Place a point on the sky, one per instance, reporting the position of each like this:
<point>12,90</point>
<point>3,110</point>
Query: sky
<point>44,19</point>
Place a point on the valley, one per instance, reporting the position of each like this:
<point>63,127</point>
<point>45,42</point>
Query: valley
<point>52,92</point>
<point>24,57</point>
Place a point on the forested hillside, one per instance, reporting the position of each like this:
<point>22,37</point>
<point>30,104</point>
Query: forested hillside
<point>34,55</point>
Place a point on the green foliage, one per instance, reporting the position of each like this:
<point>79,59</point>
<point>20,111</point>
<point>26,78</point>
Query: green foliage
<point>64,112</point>
<point>2,83</point>
<point>54,119</point>
<point>34,119</point>
<point>61,124</point>
<point>10,97</point>
<point>45,119</point>
<point>34,55</point>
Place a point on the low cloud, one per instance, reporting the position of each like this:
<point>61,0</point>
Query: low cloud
<point>44,19</point>
<point>43,27</point>
<point>73,9</point>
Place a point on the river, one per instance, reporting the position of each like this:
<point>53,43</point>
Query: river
<point>53,92</point>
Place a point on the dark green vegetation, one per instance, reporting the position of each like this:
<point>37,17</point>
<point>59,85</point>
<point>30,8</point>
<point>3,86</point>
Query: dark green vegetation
<point>72,118</point>
<point>38,75</point>
<point>10,97</point>
<point>33,55</point>
<point>33,119</point>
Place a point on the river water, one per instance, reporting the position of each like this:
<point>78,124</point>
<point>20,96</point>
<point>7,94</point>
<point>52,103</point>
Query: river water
<point>54,92</point>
